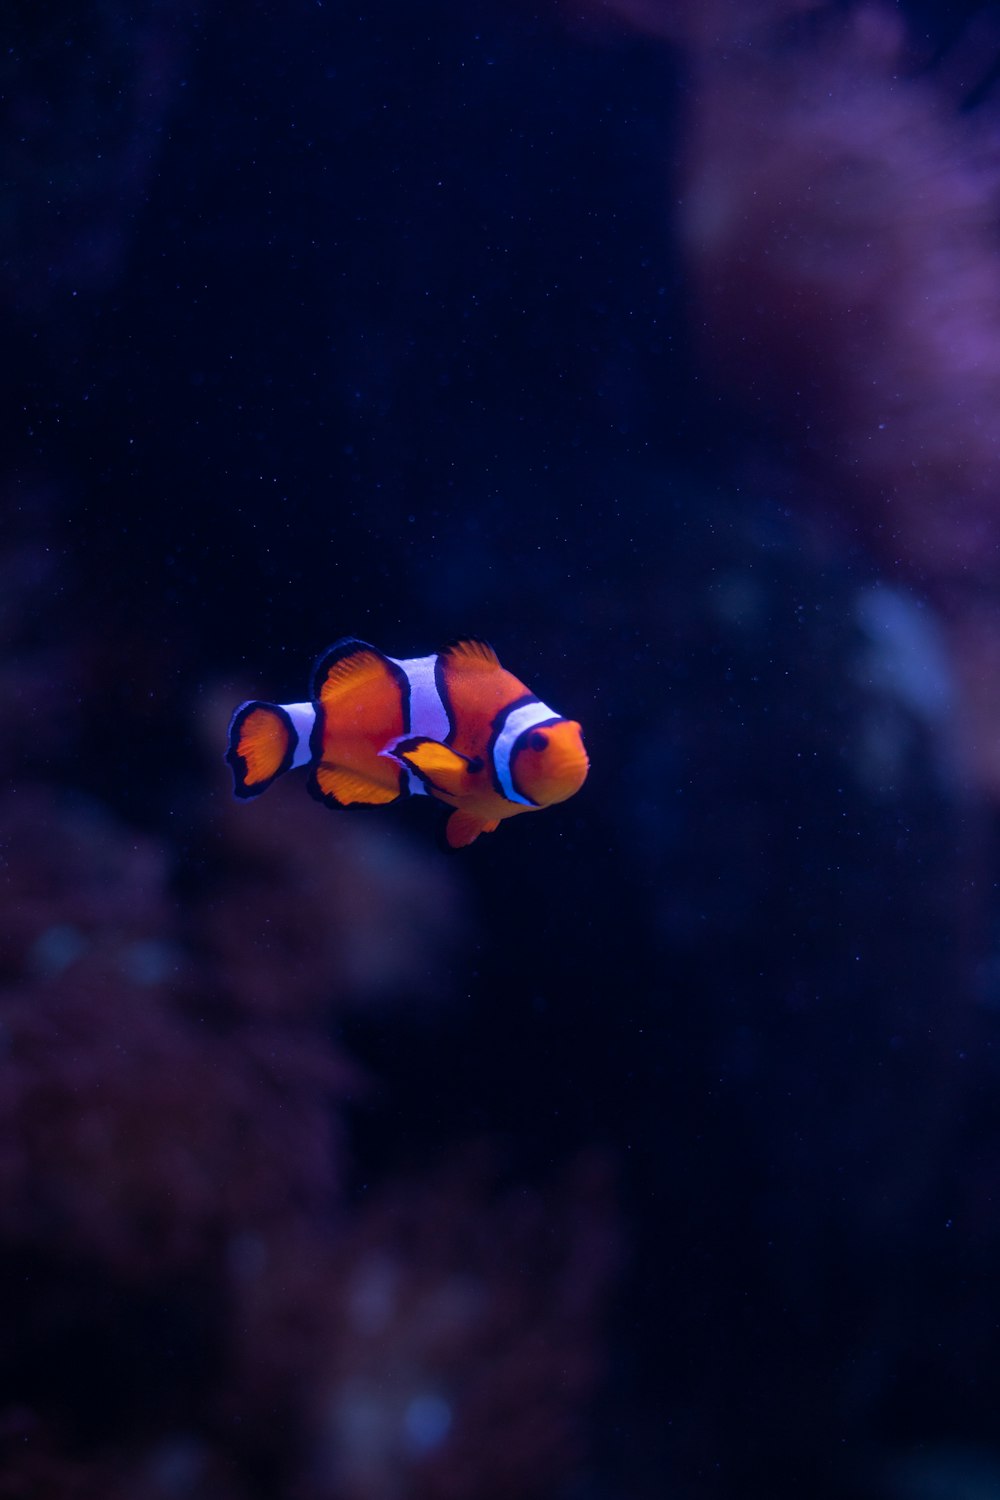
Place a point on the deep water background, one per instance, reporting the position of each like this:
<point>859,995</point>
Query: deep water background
<point>648,1148</point>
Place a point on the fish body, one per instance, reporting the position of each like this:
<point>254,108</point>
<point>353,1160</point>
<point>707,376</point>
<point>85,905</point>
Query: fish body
<point>454,725</point>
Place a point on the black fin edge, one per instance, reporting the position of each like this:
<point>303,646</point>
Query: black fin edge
<point>411,741</point>
<point>327,799</point>
<point>348,645</point>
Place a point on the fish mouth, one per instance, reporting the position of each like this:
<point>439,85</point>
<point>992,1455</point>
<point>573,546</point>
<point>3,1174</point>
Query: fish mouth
<point>565,772</point>
<point>568,776</point>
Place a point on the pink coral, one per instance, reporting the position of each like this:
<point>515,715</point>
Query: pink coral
<point>137,1139</point>
<point>450,1344</point>
<point>365,917</point>
<point>170,1132</point>
<point>35,1466</point>
<point>838,223</point>
<point>838,216</point>
<point>131,1130</point>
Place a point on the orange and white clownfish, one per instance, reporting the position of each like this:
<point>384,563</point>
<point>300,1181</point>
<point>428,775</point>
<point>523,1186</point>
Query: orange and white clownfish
<point>453,725</point>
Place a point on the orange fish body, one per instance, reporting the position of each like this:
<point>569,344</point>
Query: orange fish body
<point>453,725</point>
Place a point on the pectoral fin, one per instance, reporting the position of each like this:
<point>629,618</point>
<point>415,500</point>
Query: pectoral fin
<point>441,767</point>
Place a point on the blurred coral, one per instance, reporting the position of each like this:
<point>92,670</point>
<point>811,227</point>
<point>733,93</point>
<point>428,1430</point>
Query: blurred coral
<point>40,667</point>
<point>133,1131</point>
<point>450,1346</point>
<point>79,887</point>
<point>327,945</point>
<point>839,224</point>
<point>838,215</point>
<point>172,1181</point>
<point>33,1467</point>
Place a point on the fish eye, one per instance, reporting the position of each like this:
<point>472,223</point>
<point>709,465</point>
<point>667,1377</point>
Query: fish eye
<point>537,742</point>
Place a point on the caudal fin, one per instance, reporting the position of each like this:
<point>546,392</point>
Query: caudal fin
<point>262,741</point>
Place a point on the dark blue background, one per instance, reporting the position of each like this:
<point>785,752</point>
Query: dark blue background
<point>325,322</point>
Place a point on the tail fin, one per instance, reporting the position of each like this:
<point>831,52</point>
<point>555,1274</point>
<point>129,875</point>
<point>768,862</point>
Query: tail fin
<point>262,741</point>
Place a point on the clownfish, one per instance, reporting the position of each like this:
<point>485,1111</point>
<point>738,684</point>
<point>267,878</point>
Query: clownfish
<point>454,725</point>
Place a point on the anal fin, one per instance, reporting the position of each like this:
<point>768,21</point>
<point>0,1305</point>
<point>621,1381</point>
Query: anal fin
<point>346,787</point>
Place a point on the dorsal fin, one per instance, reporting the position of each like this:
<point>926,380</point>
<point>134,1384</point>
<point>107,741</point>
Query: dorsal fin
<point>471,653</point>
<point>345,660</point>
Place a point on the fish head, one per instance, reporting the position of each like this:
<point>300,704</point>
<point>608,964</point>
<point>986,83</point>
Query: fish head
<point>549,764</point>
